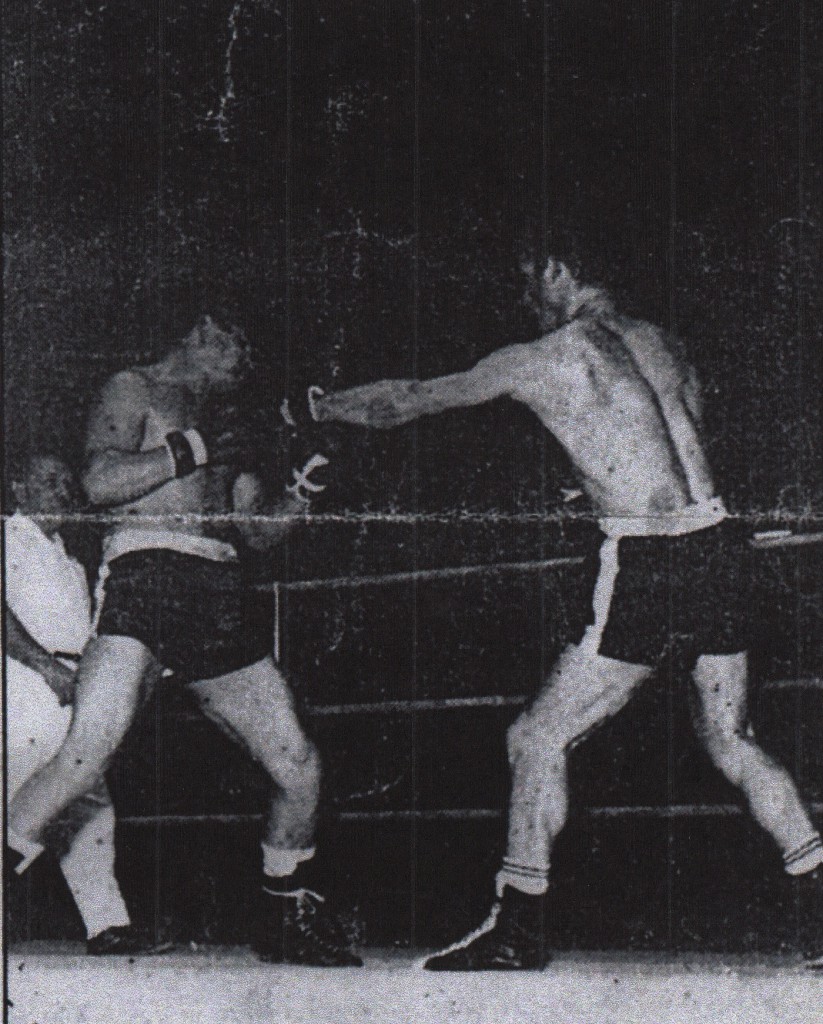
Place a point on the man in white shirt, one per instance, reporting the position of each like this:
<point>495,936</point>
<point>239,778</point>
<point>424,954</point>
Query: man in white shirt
<point>47,625</point>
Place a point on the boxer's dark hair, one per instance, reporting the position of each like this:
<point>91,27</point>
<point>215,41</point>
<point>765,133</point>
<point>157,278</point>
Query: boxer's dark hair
<point>558,298</point>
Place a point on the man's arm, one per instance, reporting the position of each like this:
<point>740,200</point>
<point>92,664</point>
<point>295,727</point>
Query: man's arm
<point>389,403</point>
<point>263,528</point>
<point>21,646</point>
<point>116,470</point>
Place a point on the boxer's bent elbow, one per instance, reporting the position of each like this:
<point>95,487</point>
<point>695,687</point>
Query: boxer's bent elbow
<point>93,485</point>
<point>95,480</point>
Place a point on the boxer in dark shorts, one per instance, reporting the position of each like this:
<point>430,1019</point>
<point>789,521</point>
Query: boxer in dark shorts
<point>165,450</point>
<point>620,397</point>
<point>199,617</point>
<point>688,591</point>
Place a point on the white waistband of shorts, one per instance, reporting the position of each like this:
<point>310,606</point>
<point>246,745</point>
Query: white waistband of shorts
<point>690,519</point>
<point>125,541</point>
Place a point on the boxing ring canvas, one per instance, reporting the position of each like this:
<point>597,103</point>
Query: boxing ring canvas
<point>358,186</point>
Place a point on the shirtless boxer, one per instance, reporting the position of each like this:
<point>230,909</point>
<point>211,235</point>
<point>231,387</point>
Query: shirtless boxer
<point>619,397</point>
<point>162,458</point>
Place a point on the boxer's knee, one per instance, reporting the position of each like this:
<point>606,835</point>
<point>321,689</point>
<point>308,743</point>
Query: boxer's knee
<point>85,768</point>
<point>532,738</point>
<point>731,752</point>
<point>295,765</point>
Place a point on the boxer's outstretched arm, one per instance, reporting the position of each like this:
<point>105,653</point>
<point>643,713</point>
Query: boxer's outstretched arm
<point>116,470</point>
<point>389,403</point>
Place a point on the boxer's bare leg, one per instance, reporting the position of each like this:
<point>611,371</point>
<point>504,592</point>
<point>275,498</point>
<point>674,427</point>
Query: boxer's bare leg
<point>583,690</point>
<point>255,706</point>
<point>112,678</point>
<point>722,724</point>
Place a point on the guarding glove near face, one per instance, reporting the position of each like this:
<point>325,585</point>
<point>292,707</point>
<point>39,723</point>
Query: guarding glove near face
<point>224,437</point>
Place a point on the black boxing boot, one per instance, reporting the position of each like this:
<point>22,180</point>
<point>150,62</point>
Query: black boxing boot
<point>512,938</point>
<point>295,926</point>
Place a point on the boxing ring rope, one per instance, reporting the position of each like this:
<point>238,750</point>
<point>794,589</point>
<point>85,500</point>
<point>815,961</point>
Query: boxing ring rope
<point>662,811</point>
<point>415,576</point>
<point>437,705</point>
<point>766,541</point>
<point>786,541</point>
<point>423,575</point>
<point>493,701</point>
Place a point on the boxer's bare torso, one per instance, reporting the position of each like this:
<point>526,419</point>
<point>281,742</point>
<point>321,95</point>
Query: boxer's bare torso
<point>613,391</point>
<point>135,413</point>
<point>129,469</point>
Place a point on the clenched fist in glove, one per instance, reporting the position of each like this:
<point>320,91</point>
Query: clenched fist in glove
<point>223,437</point>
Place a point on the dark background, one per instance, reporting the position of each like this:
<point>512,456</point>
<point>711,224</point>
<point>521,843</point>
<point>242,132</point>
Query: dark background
<point>356,185</point>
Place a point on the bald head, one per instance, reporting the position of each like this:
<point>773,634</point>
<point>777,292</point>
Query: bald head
<point>46,486</point>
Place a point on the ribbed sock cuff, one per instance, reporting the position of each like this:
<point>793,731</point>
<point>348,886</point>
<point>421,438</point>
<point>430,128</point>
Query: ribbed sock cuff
<point>803,858</point>
<point>529,880</point>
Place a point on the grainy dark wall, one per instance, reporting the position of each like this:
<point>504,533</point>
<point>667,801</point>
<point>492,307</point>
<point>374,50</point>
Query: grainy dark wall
<point>356,183</point>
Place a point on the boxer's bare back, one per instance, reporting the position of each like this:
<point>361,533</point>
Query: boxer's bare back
<point>613,391</point>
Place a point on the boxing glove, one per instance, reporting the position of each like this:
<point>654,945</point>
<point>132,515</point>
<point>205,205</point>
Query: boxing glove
<point>224,437</point>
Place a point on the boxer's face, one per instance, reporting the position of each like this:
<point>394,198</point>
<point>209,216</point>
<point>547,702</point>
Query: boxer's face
<point>48,489</point>
<point>220,356</point>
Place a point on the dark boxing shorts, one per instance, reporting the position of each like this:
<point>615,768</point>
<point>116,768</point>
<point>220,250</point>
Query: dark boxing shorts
<point>197,616</point>
<point>688,592</point>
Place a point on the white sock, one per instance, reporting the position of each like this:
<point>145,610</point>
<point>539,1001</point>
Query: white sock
<point>29,849</point>
<point>528,880</point>
<point>279,863</point>
<point>88,868</point>
<point>806,857</point>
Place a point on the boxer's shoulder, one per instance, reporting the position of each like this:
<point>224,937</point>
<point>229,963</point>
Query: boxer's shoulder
<point>125,388</point>
<point>119,413</point>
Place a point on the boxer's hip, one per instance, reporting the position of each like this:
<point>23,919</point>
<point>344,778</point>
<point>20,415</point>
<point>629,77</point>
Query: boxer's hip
<point>198,615</point>
<point>691,588</point>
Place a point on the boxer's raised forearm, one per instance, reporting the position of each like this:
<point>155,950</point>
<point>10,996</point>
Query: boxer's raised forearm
<point>114,478</point>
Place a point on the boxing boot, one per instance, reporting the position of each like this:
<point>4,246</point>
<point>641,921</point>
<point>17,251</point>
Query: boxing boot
<point>511,939</point>
<point>295,926</point>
